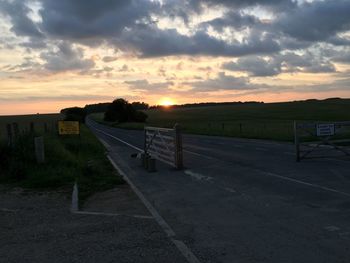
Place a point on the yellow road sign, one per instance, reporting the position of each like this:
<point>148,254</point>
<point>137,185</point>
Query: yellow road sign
<point>68,127</point>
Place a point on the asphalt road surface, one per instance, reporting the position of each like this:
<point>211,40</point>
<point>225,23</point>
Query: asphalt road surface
<point>241,200</point>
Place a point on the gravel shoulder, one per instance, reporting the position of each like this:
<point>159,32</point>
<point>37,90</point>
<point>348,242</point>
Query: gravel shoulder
<point>39,227</point>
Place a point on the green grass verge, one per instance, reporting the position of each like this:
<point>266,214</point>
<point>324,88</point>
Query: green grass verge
<point>68,159</point>
<point>261,121</point>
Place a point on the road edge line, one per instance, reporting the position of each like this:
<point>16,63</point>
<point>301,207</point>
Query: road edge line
<point>120,140</point>
<point>181,246</point>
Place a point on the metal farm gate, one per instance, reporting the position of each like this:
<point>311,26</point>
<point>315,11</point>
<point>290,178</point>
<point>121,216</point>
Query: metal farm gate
<point>164,145</point>
<point>321,139</point>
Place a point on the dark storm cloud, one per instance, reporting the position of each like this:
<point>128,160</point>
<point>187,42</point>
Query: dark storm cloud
<point>84,19</point>
<point>18,12</point>
<point>246,3</point>
<point>130,26</point>
<point>233,19</point>
<point>316,21</point>
<point>153,42</point>
<point>276,64</point>
<point>257,66</point>
<point>66,58</point>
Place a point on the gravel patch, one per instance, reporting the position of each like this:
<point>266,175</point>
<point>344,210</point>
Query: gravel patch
<point>38,227</point>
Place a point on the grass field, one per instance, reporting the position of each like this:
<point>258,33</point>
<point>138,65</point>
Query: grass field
<point>69,158</point>
<point>24,121</point>
<point>264,121</point>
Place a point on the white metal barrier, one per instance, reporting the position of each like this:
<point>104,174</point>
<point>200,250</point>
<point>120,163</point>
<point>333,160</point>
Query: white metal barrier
<point>164,145</point>
<point>310,137</point>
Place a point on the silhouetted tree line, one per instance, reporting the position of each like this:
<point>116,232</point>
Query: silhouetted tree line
<point>119,110</point>
<point>74,114</point>
<point>208,104</point>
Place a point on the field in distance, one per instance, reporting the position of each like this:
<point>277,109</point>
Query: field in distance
<point>24,121</point>
<point>256,120</point>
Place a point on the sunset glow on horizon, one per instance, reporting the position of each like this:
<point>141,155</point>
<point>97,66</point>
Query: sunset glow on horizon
<point>57,54</point>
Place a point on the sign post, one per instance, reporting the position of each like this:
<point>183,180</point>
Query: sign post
<point>317,139</point>
<point>68,128</point>
<point>325,129</point>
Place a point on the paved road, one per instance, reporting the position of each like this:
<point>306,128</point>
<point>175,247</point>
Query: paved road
<point>245,200</point>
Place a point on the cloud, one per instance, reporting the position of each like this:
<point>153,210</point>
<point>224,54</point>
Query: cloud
<point>281,63</point>
<point>66,58</point>
<point>256,66</point>
<point>18,12</point>
<point>234,19</point>
<point>315,21</point>
<point>109,59</point>
<point>221,82</point>
<point>92,19</point>
<point>144,85</point>
<point>280,43</point>
<point>153,42</point>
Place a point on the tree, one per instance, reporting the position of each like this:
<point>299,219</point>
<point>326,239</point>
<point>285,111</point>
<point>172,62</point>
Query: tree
<point>74,114</point>
<point>122,111</point>
<point>140,105</point>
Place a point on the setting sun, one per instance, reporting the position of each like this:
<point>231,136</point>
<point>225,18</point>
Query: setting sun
<point>166,102</point>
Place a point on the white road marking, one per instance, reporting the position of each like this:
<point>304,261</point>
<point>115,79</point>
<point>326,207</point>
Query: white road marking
<point>260,171</point>
<point>230,190</point>
<point>186,252</point>
<point>332,228</point>
<point>8,210</point>
<point>337,160</point>
<point>105,144</point>
<point>261,149</point>
<point>198,176</point>
<point>111,214</point>
<point>336,173</point>
<point>305,183</point>
<point>120,140</point>
<point>201,155</point>
<point>289,179</point>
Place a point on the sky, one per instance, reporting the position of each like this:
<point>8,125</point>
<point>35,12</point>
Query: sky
<point>57,54</point>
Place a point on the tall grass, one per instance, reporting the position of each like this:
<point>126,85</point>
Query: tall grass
<point>68,159</point>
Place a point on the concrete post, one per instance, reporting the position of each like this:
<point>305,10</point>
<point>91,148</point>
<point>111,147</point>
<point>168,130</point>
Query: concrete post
<point>151,165</point>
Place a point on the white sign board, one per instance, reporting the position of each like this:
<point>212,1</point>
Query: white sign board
<point>325,130</point>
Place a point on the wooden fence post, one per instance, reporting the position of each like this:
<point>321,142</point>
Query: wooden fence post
<point>178,147</point>
<point>15,130</point>
<point>39,149</point>
<point>31,127</point>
